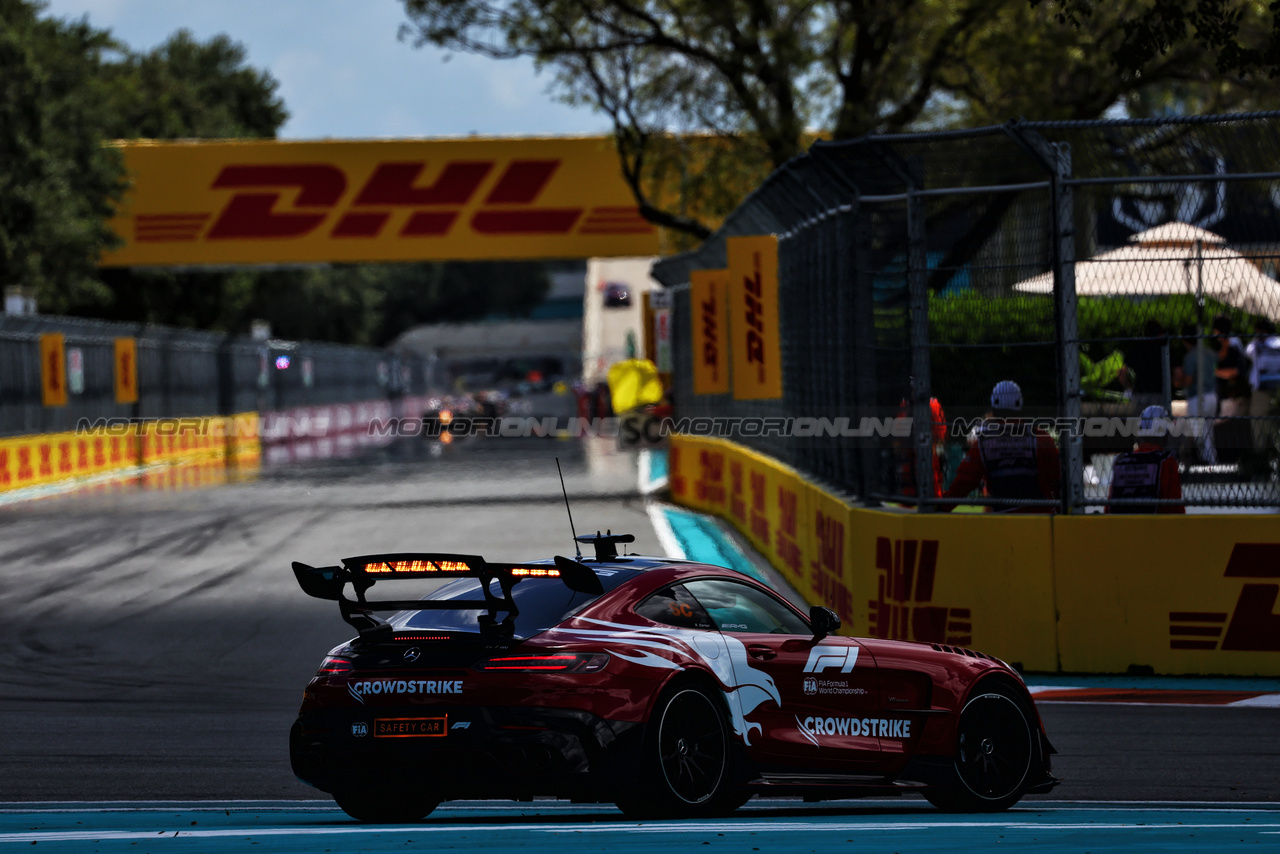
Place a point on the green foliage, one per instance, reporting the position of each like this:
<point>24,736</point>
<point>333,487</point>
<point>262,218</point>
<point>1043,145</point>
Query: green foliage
<point>1243,38</point>
<point>457,291</point>
<point>65,90</point>
<point>57,179</point>
<point>366,304</point>
<point>185,88</point>
<point>978,341</point>
<point>766,76</point>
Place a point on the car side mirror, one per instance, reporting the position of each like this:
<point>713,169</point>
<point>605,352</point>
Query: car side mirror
<point>824,621</point>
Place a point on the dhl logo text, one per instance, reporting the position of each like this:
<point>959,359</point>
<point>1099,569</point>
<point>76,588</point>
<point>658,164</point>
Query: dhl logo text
<point>786,535</point>
<point>1254,625</point>
<point>710,486</point>
<point>903,609</point>
<point>755,317</point>
<point>290,201</point>
<point>711,335</point>
<point>828,570</point>
<point>737,495</point>
<point>759,519</point>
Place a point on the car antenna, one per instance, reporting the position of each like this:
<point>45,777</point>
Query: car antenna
<point>576,548</point>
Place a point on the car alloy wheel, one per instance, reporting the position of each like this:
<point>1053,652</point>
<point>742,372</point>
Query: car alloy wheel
<point>693,747</point>
<point>995,749</point>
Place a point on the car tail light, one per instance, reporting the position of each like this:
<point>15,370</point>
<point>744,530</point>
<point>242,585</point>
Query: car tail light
<point>334,667</point>
<point>554,662</point>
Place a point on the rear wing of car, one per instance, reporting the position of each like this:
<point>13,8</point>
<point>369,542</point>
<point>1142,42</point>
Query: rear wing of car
<point>364,571</point>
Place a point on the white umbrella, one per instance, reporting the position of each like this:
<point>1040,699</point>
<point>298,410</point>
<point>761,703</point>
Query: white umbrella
<point>1167,260</point>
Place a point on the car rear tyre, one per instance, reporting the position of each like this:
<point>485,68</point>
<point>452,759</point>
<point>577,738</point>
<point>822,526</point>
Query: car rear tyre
<point>386,807</point>
<point>685,766</point>
<point>997,746</point>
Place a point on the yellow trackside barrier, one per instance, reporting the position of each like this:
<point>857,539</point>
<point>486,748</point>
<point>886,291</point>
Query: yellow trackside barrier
<point>133,450</point>
<point>244,446</point>
<point>984,582</point>
<point>1077,594</point>
<point>37,460</point>
<point>1178,594</point>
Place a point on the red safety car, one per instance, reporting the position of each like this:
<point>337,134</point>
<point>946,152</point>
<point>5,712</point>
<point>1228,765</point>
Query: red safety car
<point>668,687</point>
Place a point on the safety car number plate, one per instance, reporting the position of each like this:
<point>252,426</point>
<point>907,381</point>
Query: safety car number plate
<point>410,727</point>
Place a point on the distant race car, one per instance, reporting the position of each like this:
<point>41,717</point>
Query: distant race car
<point>668,687</point>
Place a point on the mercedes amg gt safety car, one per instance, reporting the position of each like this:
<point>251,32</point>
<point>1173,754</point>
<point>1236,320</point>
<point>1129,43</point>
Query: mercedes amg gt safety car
<point>668,687</point>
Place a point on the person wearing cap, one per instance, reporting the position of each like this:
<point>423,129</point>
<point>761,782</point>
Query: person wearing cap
<point>1149,471</point>
<point>1014,461</point>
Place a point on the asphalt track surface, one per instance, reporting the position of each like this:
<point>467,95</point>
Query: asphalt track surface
<point>154,647</point>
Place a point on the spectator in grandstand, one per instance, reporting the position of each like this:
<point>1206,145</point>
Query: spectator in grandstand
<point>1149,471</point>
<point>1264,380</point>
<point>1196,377</point>
<point>1013,460</point>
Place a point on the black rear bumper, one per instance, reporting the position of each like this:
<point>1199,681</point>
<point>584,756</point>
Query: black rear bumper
<point>485,752</point>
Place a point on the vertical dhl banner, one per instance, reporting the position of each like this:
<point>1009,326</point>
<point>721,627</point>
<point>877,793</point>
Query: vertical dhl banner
<point>53,369</point>
<point>126,370</point>
<point>709,306</point>
<point>754,327</point>
<point>267,201</point>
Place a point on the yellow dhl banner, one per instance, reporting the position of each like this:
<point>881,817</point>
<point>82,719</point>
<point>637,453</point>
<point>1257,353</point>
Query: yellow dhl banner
<point>753,317</point>
<point>126,370</point>
<point>267,201</point>
<point>898,576</point>
<point>1086,594</point>
<point>53,369</point>
<point>709,324</point>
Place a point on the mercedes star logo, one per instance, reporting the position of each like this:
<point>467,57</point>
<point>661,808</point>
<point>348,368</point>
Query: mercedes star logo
<point>412,654</point>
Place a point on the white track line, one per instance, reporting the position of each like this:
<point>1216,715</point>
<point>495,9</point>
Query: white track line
<point>666,534</point>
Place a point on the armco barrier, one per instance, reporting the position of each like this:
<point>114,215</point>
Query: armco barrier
<point>1049,593</point>
<point>29,461</point>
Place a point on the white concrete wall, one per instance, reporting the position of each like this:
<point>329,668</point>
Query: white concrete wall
<point>604,330</point>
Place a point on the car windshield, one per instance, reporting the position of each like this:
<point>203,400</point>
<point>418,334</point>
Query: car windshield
<point>543,603</point>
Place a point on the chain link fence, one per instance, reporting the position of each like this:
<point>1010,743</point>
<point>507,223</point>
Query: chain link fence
<point>184,373</point>
<point>1102,266</point>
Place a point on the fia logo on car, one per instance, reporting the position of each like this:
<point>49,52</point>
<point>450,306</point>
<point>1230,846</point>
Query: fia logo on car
<point>810,685</point>
<point>823,657</point>
<point>359,729</point>
<point>412,654</point>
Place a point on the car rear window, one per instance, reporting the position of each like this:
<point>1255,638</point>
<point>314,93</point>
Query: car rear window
<point>543,603</point>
